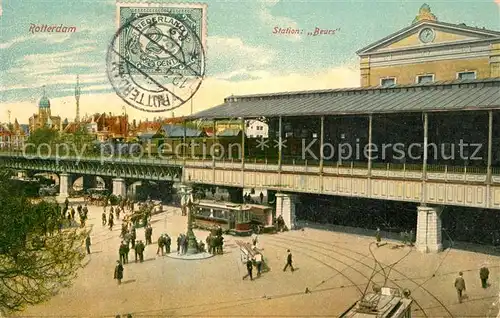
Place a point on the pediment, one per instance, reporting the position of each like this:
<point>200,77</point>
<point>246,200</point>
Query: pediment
<point>442,34</point>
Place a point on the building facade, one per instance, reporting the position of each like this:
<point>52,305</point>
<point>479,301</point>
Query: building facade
<point>256,129</point>
<point>430,51</point>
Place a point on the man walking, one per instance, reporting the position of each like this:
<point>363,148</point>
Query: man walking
<point>289,261</point>
<point>258,262</point>
<point>140,250</point>
<point>249,269</point>
<point>118,272</point>
<point>161,243</point>
<point>484,273</point>
<point>87,244</point>
<point>460,286</point>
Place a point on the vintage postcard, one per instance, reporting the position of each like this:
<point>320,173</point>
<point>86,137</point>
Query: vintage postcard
<point>263,158</point>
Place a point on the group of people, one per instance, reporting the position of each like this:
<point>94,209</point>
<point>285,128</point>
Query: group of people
<point>110,219</point>
<point>484,274</point>
<point>129,236</point>
<point>215,241</point>
<point>164,243</point>
<point>248,198</point>
<point>69,213</point>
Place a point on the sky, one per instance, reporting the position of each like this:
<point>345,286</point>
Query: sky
<point>243,54</point>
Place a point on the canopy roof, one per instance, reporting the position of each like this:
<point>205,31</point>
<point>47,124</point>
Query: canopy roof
<point>429,97</point>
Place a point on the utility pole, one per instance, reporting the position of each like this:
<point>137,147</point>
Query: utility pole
<point>77,97</point>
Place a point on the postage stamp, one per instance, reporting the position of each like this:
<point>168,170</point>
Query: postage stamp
<point>156,59</point>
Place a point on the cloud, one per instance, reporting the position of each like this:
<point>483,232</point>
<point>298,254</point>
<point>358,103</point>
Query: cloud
<point>35,70</point>
<point>243,74</point>
<point>211,93</point>
<point>272,21</point>
<point>228,54</point>
<point>48,38</point>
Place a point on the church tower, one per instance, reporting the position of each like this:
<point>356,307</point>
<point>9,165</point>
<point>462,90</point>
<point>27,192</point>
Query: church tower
<point>43,110</point>
<point>77,97</point>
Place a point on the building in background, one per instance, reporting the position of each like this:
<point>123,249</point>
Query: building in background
<point>44,118</point>
<point>103,126</point>
<point>256,129</point>
<point>431,51</point>
<point>13,135</point>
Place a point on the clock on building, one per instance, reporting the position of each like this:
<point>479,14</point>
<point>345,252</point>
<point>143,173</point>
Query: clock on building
<point>427,35</point>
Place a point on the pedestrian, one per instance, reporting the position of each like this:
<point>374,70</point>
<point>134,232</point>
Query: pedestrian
<point>179,238</point>
<point>161,243</point>
<point>87,244</point>
<point>255,239</point>
<point>460,286</point>
<point>133,236</point>
<point>111,223</point>
<point>122,251</point>
<point>378,237</point>
<point>258,263</point>
<point>168,242</point>
<point>104,218</point>
<point>261,195</point>
<point>184,244</point>
<point>289,261</point>
<point>249,269</point>
<point>118,272</point>
<point>140,251</point>
<point>484,273</point>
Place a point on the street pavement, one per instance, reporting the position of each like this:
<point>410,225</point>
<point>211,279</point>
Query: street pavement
<point>335,267</point>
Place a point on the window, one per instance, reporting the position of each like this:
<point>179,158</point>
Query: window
<point>421,79</point>
<point>385,82</point>
<point>466,75</point>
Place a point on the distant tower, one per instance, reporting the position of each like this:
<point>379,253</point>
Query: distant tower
<point>8,114</point>
<point>77,97</point>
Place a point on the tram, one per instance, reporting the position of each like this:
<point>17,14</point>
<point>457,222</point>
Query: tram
<point>233,218</point>
<point>386,303</point>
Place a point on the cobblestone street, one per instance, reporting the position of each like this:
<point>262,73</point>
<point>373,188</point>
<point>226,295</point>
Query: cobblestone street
<point>335,267</point>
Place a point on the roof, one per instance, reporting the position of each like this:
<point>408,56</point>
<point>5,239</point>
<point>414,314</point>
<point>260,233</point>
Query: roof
<point>44,102</point>
<point>178,131</point>
<point>483,33</point>
<point>229,133</point>
<point>146,135</point>
<point>429,97</point>
<point>387,306</point>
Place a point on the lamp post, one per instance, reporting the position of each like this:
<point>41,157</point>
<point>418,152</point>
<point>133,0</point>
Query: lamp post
<point>187,203</point>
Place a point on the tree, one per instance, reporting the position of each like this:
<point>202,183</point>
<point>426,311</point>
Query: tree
<point>37,257</point>
<point>42,136</point>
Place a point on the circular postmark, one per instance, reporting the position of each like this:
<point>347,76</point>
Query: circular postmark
<point>156,62</point>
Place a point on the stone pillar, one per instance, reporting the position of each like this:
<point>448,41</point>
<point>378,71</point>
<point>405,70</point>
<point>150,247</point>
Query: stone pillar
<point>285,206</point>
<point>89,182</point>
<point>119,187</point>
<point>64,184</point>
<point>429,229</point>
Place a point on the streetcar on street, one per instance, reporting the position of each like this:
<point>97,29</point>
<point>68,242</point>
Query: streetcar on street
<point>233,218</point>
<point>386,303</point>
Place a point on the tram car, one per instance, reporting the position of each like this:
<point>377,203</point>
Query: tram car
<point>233,218</point>
<point>385,303</point>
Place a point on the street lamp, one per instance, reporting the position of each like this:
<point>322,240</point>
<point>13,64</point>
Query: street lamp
<point>187,204</point>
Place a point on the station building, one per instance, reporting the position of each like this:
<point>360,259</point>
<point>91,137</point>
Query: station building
<point>432,88</point>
